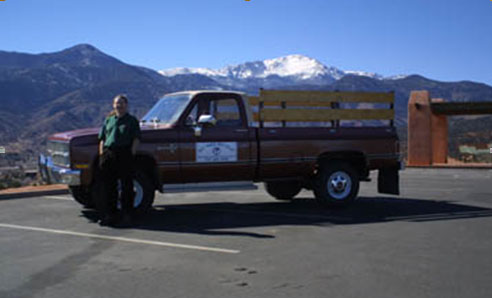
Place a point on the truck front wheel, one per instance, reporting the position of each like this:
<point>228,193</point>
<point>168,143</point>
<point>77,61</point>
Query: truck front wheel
<point>336,184</point>
<point>144,192</point>
<point>82,195</point>
<point>283,190</point>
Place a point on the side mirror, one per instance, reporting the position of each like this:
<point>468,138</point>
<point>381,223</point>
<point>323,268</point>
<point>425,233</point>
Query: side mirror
<point>205,120</point>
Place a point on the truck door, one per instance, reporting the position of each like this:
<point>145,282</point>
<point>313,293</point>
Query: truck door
<point>222,152</point>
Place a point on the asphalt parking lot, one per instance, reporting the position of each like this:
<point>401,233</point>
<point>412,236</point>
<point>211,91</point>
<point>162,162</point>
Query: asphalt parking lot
<point>435,240</point>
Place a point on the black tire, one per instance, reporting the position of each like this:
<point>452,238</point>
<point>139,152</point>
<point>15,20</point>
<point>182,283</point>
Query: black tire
<point>143,189</point>
<point>336,184</point>
<point>283,190</point>
<point>148,193</point>
<point>82,195</point>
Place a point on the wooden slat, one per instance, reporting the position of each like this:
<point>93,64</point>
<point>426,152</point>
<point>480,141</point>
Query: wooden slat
<point>325,96</point>
<point>256,101</point>
<point>253,100</point>
<point>300,115</point>
<point>368,97</point>
<point>227,116</point>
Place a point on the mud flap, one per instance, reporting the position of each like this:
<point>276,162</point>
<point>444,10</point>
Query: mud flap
<point>389,181</point>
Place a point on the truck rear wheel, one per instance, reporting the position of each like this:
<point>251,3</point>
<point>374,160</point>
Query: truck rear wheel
<point>284,190</point>
<point>336,184</point>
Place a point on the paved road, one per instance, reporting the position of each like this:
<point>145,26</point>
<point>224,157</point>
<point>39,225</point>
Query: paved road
<point>435,240</point>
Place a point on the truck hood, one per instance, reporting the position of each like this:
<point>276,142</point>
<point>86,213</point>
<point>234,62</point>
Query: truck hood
<point>68,135</point>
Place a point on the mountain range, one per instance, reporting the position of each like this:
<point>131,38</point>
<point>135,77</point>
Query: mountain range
<point>45,93</point>
<point>274,73</point>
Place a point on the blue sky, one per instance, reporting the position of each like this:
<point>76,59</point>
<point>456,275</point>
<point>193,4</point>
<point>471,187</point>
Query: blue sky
<point>443,40</point>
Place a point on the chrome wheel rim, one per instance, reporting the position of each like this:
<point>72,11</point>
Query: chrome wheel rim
<point>137,188</point>
<point>339,185</point>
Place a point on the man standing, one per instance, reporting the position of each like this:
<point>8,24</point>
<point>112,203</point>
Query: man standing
<point>118,141</point>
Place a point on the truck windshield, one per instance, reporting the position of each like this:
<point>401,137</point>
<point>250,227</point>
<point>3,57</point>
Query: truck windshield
<point>167,109</point>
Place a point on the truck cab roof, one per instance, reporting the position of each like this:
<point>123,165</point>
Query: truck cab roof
<point>195,92</point>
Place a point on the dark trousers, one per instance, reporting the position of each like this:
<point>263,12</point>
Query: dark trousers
<point>116,164</point>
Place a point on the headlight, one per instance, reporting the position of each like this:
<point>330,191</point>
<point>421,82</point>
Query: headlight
<point>59,152</point>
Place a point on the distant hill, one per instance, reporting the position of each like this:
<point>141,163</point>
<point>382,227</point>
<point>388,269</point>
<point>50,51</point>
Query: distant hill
<point>45,93</point>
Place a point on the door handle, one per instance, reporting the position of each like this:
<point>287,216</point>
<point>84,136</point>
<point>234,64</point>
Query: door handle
<point>241,130</point>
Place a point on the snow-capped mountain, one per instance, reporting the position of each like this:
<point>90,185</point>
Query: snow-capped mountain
<point>364,74</point>
<point>278,72</point>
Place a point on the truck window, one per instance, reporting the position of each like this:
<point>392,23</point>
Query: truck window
<point>226,111</point>
<point>199,108</point>
<point>192,117</point>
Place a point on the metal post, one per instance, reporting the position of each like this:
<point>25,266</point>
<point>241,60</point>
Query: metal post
<point>260,112</point>
<point>284,106</point>
<point>392,106</point>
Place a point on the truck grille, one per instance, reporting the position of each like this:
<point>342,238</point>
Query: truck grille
<point>59,152</point>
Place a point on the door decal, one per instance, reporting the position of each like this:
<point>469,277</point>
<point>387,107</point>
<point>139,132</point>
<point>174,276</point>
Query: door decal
<point>216,152</point>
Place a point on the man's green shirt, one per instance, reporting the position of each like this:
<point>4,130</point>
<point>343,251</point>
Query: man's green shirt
<point>119,132</point>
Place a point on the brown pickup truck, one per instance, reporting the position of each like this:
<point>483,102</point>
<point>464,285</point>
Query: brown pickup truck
<point>287,139</point>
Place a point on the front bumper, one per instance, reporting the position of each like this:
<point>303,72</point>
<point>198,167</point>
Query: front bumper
<point>53,174</point>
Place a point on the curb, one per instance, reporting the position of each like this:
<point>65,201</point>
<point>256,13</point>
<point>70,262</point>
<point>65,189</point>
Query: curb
<point>29,194</point>
<point>451,167</point>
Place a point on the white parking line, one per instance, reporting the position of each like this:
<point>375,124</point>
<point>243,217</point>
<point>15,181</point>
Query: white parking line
<point>124,239</point>
<point>58,198</point>
<point>437,216</point>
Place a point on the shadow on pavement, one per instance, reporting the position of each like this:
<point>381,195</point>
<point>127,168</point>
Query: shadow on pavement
<point>219,218</point>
